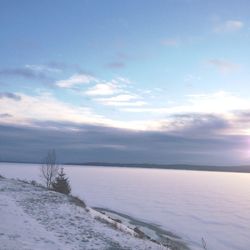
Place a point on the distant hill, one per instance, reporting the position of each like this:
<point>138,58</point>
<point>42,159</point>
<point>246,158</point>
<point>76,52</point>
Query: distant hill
<point>240,169</point>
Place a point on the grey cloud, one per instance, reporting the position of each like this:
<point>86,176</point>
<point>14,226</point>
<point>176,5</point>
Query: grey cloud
<point>195,124</point>
<point>26,73</point>
<point>116,65</point>
<point>10,96</point>
<point>83,143</point>
<point>5,115</point>
<point>63,66</point>
<point>243,116</point>
<point>57,65</point>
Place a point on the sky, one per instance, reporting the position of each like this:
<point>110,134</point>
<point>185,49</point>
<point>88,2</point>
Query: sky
<point>163,81</point>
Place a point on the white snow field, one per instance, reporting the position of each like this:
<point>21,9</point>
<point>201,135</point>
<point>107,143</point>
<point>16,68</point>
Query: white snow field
<point>33,218</point>
<point>191,204</point>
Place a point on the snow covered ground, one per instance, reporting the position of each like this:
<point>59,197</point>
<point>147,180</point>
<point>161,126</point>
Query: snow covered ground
<point>33,218</point>
<point>190,204</point>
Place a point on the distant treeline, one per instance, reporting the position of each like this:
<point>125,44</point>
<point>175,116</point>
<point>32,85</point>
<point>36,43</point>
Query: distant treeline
<point>237,169</point>
<point>240,169</point>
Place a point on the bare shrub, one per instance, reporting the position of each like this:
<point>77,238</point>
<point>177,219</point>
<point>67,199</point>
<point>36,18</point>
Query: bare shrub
<point>204,244</point>
<point>23,181</point>
<point>49,169</point>
<point>36,184</point>
<point>77,201</point>
<point>139,233</point>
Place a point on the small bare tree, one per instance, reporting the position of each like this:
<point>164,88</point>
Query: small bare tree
<point>49,168</point>
<point>204,244</point>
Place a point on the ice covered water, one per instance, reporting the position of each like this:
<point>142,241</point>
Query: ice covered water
<point>194,205</point>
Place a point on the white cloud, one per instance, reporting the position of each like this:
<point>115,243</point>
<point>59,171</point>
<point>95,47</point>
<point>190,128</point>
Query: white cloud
<point>42,68</point>
<point>45,107</point>
<point>215,103</point>
<point>224,66</point>
<point>76,79</point>
<point>114,93</point>
<point>108,88</point>
<point>124,104</point>
<point>102,89</point>
<point>123,80</point>
<point>229,26</point>
<point>120,98</point>
<point>128,100</point>
<point>218,102</point>
<point>128,104</point>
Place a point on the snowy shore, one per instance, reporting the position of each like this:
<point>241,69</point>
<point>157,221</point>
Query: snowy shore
<point>35,218</point>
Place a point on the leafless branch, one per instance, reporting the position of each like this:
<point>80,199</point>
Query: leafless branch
<point>49,168</point>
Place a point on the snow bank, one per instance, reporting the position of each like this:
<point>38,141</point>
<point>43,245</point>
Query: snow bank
<point>35,218</point>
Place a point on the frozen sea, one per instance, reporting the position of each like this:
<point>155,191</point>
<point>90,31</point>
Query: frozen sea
<point>192,204</point>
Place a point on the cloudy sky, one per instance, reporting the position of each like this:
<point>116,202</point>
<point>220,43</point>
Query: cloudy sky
<point>163,81</point>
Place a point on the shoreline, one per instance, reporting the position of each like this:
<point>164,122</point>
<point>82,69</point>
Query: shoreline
<point>151,230</point>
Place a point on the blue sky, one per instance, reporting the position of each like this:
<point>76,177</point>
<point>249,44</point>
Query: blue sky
<point>176,68</point>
